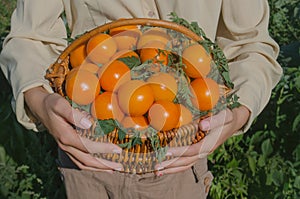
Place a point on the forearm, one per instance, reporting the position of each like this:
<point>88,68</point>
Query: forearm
<point>34,42</point>
<point>243,35</point>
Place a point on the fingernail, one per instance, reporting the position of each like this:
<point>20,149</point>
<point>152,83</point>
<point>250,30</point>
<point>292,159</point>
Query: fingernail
<point>169,154</point>
<point>159,167</point>
<point>119,169</point>
<point>86,123</point>
<point>159,174</point>
<point>204,125</point>
<point>117,151</point>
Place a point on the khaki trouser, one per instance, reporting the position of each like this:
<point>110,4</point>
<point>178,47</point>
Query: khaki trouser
<point>192,183</point>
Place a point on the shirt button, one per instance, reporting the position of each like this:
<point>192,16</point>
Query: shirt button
<point>207,189</point>
<point>151,13</point>
<point>206,181</point>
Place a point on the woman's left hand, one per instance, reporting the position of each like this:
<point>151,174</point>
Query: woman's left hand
<point>219,127</point>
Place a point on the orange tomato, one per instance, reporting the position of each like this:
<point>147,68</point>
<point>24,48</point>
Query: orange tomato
<point>153,34</point>
<point>155,52</point>
<point>78,56</point>
<point>125,36</point>
<point>206,93</point>
<point>82,86</point>
<point>100,48</point>
<point>186,116</point>
<point>120,29</point>
<point>197,61</point>
<point>117,112</point>
<point>163,115</point>
<point>137,122</point>
<point>164,86</point>
<point>113,74</point>
<point>135,97</point>
<point>124,53</point>
<point>106,107</point>
<point>93,68</point>
<point>127,40</point>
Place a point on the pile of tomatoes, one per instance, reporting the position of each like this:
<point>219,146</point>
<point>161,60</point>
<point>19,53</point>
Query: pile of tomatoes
<point>100,78</point>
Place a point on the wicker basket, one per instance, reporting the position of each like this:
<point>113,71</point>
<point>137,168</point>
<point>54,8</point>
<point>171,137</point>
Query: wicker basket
<point>140,158</point>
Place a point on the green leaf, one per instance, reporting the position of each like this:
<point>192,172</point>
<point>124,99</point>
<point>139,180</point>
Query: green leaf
<point>98,131</point>
<point>296,123</point>
<point>125,145</point>
<point>269,179</point>
<point>297,83</point>
<point>277,178</point>
<point>233,101</point>
<point>85,108</point>
<point>131,61</point>
<point>121,134</point>
<point>227,79</point>
<point>282,99</point>
<point>233,163</point>
<point>136,140</point>
<point>261,161</point>
<point>252,164</point>
<point>297,182</point>
<point>107,126</point>
<point>296,153</point>
<point>267,148</point>
<point>257,137</point>
<point>132,142</point>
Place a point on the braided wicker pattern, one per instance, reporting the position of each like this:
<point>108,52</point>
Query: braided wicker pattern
<point>141,158</point>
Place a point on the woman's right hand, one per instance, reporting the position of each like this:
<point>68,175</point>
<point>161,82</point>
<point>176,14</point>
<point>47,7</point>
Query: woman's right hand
<point>58,116</point>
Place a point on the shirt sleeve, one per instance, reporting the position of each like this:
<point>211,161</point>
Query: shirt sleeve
<point>243,35</point>
<point>36,39</point>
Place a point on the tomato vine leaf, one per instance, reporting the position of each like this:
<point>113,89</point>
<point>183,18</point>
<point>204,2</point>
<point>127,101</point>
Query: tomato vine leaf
<point>131,61</point>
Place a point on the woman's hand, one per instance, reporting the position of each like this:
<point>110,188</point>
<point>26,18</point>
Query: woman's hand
<point>58,116</point>
<point>220,127</point>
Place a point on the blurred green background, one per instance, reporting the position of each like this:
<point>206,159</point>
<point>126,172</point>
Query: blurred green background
<point>264,163</point>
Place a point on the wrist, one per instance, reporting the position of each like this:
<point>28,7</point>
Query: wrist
<point>241,116</point>
<point>33,99</point>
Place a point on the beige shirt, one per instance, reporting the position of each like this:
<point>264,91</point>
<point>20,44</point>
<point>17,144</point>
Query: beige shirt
<point>239,27</point>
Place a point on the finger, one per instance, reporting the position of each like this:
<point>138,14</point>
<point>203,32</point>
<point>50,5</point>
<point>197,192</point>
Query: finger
<point>215,121</point>
<point>173,170</point>
<point>100,147</point>
<point>205,146</point>
<point>178,151</point>
<point>79,118</point>
<point>83,167</point>
<point>177,162</point>
<point>69,138</point>
<point>188,151</point>
<point>215,138</point>
<point>85,160</point>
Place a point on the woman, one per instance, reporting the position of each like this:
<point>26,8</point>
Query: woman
<point>37,38</point>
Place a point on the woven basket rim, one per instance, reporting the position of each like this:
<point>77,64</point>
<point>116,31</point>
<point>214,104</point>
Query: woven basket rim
<point>59,69</point>
<point>124,22</point>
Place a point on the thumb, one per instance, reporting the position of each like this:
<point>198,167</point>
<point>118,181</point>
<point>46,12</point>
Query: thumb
<point>100,147</point>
